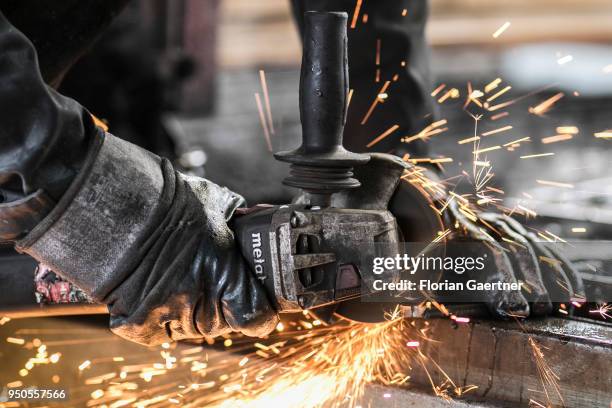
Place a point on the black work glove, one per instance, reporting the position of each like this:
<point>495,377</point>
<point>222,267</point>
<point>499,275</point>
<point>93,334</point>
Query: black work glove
<point>425,212</point>
<point>116,220</point>
<point>155,246</point>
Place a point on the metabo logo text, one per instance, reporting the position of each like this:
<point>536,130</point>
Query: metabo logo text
<point>258,258</point>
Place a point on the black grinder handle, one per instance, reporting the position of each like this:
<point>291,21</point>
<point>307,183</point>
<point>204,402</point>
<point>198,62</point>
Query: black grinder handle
<point>321,166</point>
<point>324,81</point>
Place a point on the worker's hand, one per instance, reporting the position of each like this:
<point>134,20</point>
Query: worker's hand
<point>513,254</point>
<point>155,246</point>
<point>518,255</point>
<point>425,211</point>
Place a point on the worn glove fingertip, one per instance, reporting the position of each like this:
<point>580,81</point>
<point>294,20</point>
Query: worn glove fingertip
<point>260,326</point>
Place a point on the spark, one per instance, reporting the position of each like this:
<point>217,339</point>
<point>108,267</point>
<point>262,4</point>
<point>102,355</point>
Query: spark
<point>451,93</point>
<point>603,310</point>
<point>564,60</point>
<point>84,365</point>
<point>502,105</point>
<point>548,378</point>
<point>54,358</point>
<point>488,149</point>
<point>498,191</point>
<point>492,85</point>
<point>383,135</point>
<point>606,134</point>
<point>554,184</point>
<point>15,340</point>
<point>438,89</point>
<point>498,94</point>
<point>557,238</point>
<point>500,130</point>
<point>545,106</point>
<point>100,378</point>
<point>501,29</point>
<point>442,160</point>
<point>349,98</point>
<point>532,156</point>
<point>556,138</point>
<point>527,211</point>
<point>264,87</point>
<point>263,121</point>
<point>482,163</point>
<point>568,130</point>
<point>99,123</point>
<point>332,367</point>
<point>404,12</point>
<point>430,130</point>
<point>468,140</point>
<point>377,100</point>
<point>499,115</point>
<point>517,141</point>
<point>475,94</point>
<point>97,394</point>
<point>579,229</point>
<point>15,384</point>
<point>536,403</point>
<point>356,14</point>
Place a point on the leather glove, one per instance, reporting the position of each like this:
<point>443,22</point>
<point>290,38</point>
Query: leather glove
<point>116,220</point>
<point>424,210</point>
<point>513,253</point>
<point>155,246</point>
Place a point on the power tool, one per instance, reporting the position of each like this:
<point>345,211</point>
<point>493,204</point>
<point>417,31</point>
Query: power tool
<point>314,253</point>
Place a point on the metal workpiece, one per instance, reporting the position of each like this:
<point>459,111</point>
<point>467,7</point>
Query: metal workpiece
<point>501,359</point>
<point>321,165</point>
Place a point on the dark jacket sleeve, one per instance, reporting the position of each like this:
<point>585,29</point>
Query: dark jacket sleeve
<point>45,136</point>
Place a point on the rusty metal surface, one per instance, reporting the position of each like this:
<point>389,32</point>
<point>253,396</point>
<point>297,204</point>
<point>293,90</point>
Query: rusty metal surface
<point>498,358</point>
<point>377,396</point>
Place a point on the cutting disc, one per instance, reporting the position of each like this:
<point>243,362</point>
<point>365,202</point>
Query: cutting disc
<point>412,207</point>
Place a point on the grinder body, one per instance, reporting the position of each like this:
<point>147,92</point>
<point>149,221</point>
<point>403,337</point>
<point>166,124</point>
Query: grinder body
<point>313,254</point>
